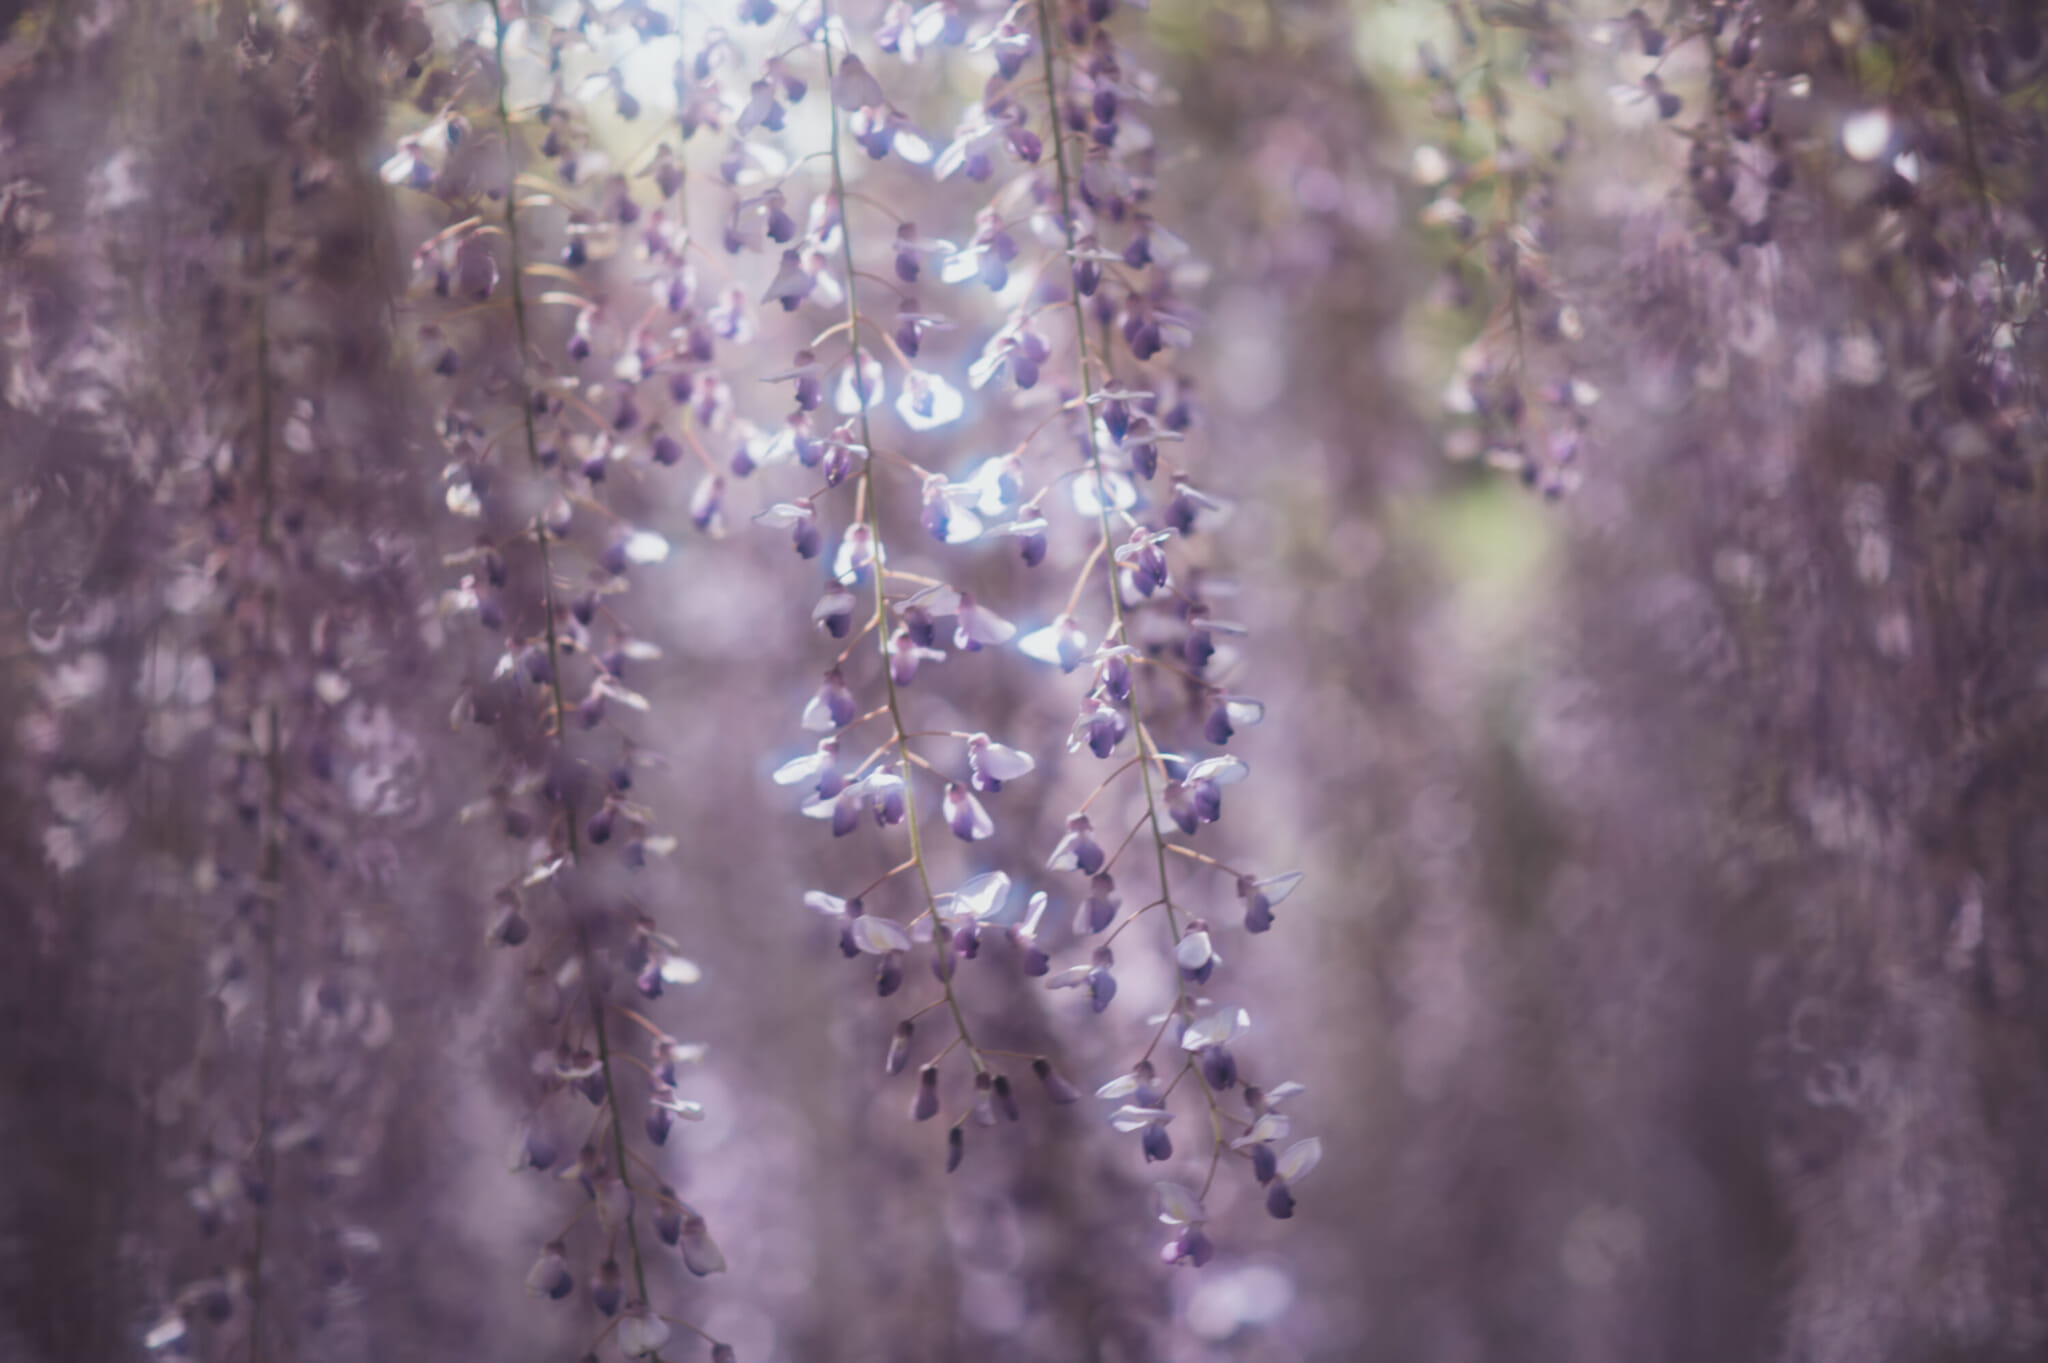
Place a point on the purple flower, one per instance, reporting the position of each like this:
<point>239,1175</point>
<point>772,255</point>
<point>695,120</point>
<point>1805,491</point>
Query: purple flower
<point>1077,850</point>
<point>977,627</point>
<point>854,88</point>
<point>1101,984</point>
<point>550,1276</point>
<point>1057,1086</point>
<point>965,816</point>
<point>834,612</point>
<point>1098,910</point>
<point>989,763</point>
<point>832,707</point>
<point>792,283</point>
<point>925,1105</point>
<point>1100,727</point>
<point>1062,643</point>
<point>1260,897</point>
<point>608,1287</point>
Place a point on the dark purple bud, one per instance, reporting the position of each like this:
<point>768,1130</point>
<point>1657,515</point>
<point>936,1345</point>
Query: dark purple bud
<point>550,1277</point>
<point>575,255</point>
<point>512,929</point>
<point>668,1218</point>
<point>607,1287</point>
<point>807,538</point>
<point>540,1151</point>
<point>1219,1067</point>
<point>1192,1246</point>
<point>594,468</point>
<point>1005,1098</point>
<point>834,701</point>
<point>1217,729</point>
<point>1198,648</point>
<point>1157,1144</point>
<point>659,1120</point>
<point>984,1099</point>
<point>1116,681</point>
<point>888,975</point>
<point>956,1148</point>
<point>1116,418</point>
<point>1101,984</point>
<point>1264,1163</point>
<point>1032,547</point>
<point>627,415</point>
<point>809,393</point>
<point>1057,1086</point>
<point>599,829</point>
<point>925,1105</point>
<point>899,1047</point>
<point>449,363</point>
<point>590,711</point>
<point>1138,251</point>
<point>1279,1201</point>
<point>781,227</point>
<point>1103,901</point>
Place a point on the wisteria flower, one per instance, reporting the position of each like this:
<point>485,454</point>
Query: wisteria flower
<point>928,402</point>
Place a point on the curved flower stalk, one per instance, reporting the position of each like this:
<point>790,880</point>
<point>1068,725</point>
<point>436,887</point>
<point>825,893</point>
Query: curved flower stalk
<point>1113,528</point>
<point>569,397</point>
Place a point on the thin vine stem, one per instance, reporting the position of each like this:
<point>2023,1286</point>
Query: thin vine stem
<point>872,501</point>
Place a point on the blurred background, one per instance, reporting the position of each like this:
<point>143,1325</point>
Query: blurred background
<point>1635,515</point>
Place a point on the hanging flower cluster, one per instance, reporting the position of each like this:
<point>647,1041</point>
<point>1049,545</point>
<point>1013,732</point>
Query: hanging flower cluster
<point>562,318</point>
<point>1032,507</point>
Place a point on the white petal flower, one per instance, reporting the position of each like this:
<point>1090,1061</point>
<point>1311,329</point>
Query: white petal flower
<point>1178,1206</point>
<point>1129,1118</point>
<point>879,936</point>
<point>1301,1157</point>
<point>1217,1029</point>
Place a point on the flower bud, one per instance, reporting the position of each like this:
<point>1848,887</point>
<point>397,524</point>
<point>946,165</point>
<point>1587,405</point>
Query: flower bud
<point>925,1105</point>
<point>607,1288</point>
<point>1006,1098</point>
<point>956,1148</point>
<point>899,1047</point>
<point>550,1276</point>
<point>700,1253</point>
<point>668,1218</point>
<point>1057,1086</point>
